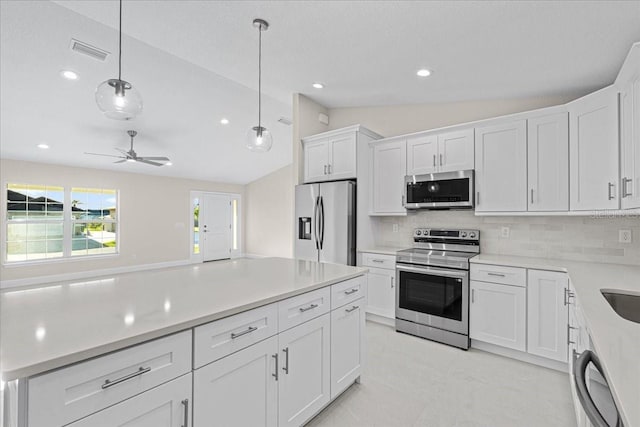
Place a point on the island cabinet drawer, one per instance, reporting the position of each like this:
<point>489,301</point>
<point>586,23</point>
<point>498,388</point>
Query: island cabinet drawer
<point>379,260</point>
<point>513,276</point>
<point>68,394</point>
<point>348,291</point>
<point>299,309</point>
<point>217,339</point>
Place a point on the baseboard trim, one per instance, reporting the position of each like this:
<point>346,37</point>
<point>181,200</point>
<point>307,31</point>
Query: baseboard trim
<point>38,280</point>
<point>519,355</point>
<point>380,319</point>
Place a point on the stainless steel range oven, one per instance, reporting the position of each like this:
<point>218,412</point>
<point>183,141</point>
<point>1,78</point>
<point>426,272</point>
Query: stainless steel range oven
<point>432,292</point>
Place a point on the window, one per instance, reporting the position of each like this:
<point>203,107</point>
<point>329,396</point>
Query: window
<point>46,222</point>
<point>196,214</point>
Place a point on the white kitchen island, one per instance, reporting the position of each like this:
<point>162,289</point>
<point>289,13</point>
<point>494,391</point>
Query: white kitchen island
<point>261,341</point>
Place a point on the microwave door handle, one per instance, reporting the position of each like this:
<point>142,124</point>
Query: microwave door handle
<point>580,378</point>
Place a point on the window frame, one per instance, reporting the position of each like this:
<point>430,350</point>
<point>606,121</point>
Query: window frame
<point>67,227</point>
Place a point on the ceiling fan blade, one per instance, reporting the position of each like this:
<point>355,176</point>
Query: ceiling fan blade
<point>141,160</point>
<point>126,153</point>
<point>104,155</point>
<point>121,161</point>
<point>165,159</point>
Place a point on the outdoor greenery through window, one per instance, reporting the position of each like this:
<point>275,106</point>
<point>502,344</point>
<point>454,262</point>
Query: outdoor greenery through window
<point>47,222</point>
<point>196,229</point>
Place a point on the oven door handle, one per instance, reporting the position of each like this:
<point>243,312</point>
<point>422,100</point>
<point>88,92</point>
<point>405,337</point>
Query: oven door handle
<point>579,375</point>
<point>438,272</point>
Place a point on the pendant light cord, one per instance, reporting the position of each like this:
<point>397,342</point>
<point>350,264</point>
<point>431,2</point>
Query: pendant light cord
<point>120,45</point>
<point>259,79</point>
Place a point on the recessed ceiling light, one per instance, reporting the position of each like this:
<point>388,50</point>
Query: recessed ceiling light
<point>318,85</point>
<point>424,72</point>
<point>224,121</point>
<point>43,146</point>
<point>69,75</point>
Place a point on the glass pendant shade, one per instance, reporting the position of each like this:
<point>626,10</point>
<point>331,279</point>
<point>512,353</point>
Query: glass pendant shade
<point>259,139</point>
<point>118,100</point>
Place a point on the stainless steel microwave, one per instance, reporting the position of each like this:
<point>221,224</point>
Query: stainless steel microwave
<point>445,190</point>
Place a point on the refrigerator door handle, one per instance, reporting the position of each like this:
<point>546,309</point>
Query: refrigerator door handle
<point>321,222</point>
<point>316,223</point>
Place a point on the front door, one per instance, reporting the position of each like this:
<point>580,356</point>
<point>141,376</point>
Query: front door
<point>215,226</point>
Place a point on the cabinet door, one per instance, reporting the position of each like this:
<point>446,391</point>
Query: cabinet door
<point>498,314</point>
<point>501,167</point>
<point>630,142</point>
<point>456,151</point>
<point>593,151</point>
<point>547,314</point>
<point>240,389</point>
<point>304,379</point>
<point>389,161</point>
<point>381,292</point>
<point>422,155</point>
<point>316,161</point>
<point>548,163</point>
<point>342,157</point>
<point>167,405</point>
<point>347,350</point>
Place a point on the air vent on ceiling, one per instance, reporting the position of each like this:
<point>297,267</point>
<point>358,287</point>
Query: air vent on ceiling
<point>285,121</point>
<point>87,49</point>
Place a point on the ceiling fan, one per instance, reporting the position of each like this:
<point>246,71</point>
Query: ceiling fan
<point>132,156</point>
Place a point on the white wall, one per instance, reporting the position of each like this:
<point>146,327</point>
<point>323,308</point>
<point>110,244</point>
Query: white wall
<point>154,215</point>
<point>401,119</point>
<point>269,214</point>
<point>305,123</point>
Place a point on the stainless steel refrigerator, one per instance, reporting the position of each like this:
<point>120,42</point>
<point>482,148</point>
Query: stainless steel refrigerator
<point>326,222</point>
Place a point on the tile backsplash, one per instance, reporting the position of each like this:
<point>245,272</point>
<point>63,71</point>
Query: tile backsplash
<point>571,238</point>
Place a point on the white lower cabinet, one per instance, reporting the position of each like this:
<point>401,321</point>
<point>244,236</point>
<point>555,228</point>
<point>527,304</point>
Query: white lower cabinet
<point>347,345</point>
<point>240,389</point>
<point>304,376</point>
<point>381,293</point>
<point>547,314</point>
<point>497,314</point>
<point>167,405</point>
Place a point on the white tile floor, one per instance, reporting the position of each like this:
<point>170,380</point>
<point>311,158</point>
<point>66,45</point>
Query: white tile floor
<point>409,381</point>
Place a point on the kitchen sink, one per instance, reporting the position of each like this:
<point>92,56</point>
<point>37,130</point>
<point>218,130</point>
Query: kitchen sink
<point>625,304</point>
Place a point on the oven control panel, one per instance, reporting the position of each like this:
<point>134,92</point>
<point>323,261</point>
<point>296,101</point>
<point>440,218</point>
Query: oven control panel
<point>442,233</point>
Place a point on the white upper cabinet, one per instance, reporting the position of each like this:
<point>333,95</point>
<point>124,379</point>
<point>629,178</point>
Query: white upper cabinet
<point>456,151</point>
<point>629,85</point>
<point>501,167</point>
<point>593,151</point>
<point>446,152</point>
<point>388,166</point>
<point>548,163</point>
<point>422,155</point>
<point>332,155</point>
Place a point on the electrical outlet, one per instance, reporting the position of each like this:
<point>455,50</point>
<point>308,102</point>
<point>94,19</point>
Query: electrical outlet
<point>395,228</point>
<point>624,236</point>
<point>505,232</point>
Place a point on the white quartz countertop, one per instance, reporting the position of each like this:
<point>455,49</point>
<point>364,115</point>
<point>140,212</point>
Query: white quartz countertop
<point>615,340</point>
<point>46,327</point>
<point>382,250</point>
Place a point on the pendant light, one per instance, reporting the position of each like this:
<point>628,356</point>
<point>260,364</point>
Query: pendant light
<point>117,98</point>
<point>258,137</point>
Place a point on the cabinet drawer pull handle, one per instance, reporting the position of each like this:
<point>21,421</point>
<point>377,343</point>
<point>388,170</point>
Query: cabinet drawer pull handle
<point>625,192</point>
<point>496,274</point>
<point>378,261</point>
<point>140,371</point>
<point>354,307</point>
<point>311,307</point>
<point>352,291</point>
<point>329,168</point>
<point>440,159</point>
<point>325,169</point>
<point>245,332</point>
<point>392,280</point>
<point>473,296</point>
<point>532,196</point>
<point>477,198</point>
<point>275,374</point>
<point>611,186</point>
<point>434,160</point>
<point>285,368</point>
<point>185,403</point>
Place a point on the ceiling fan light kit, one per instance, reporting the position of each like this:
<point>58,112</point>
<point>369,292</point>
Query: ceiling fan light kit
<point>117,98</point>
<point>259,139</point>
